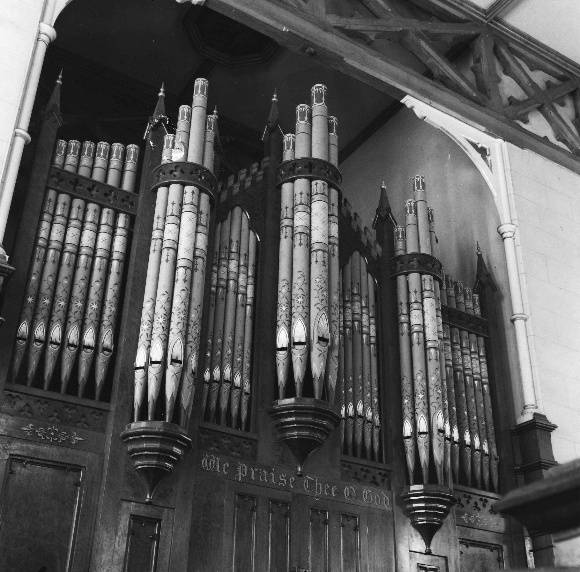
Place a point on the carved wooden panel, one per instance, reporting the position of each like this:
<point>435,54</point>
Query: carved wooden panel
<point>318,556</point>
<point>244,554</point>
<point>350,556</point>
<point>480,556</point>
<point>278,535</point>
<point>142,544</point>
<point>40,505</point>
<point>420,562</point>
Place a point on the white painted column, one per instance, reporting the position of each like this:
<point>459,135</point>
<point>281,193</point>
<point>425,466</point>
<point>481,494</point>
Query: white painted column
<point>20,137</point>
<point>495,170</point>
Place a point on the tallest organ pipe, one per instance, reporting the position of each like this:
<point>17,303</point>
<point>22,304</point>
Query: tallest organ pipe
<point>319,326</point>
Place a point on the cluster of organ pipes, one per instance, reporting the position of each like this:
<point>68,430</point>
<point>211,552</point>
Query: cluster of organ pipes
<point>169,337</point>
<point>358,379</point>
<point>307,324</point>
<point>67,325</point>
<point>226,377</point>
<point>446,402</point>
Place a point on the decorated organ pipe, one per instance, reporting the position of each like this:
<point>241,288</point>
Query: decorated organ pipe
<point>167,355</point>
<point>162,315</point>
<point>405,359</point>
<point>152,277</point>
<point>198,277</point>
<point>112,296</point>
<point>81,284</point>
<point>453,401</point>
<point>487,407</point>
<point>51,267</point>
<point>300,323</point>
<point>63,305</point>
<point>41,244</point>
<point>284,306</point>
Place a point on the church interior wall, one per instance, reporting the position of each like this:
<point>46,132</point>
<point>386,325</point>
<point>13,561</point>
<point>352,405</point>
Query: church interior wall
<point>547,203</point>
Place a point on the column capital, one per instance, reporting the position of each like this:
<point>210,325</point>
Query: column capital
<point>46,33</point>
<point>507,230</point>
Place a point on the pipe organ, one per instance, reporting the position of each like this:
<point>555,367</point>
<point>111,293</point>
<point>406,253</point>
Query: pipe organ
<point>279,358</point>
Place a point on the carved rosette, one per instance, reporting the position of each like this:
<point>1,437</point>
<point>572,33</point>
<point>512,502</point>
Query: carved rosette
<point>155,448</point>
<point>427,506</point>
<point>303,424</point>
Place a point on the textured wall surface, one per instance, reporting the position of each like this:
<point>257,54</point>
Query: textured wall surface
<point>547,199</point>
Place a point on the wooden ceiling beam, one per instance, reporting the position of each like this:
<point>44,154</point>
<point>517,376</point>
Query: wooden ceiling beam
<point>551,94</point>
<point>305,34</point>
<point>563,131</point>
<point>402,24</point>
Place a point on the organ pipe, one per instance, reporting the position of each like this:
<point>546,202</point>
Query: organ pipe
<point>284,306</point>
<point>39,258</point>
<point>151,280</point>
<point>112,297</point>
<point>50,270</point>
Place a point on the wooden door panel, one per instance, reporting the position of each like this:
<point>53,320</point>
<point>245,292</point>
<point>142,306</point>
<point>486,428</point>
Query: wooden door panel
<point>244,553</point>
<point>142,544</point>
<point>318,540</point>
<point>278,535</point>
<point>350,553</point>
<point>40,506</point>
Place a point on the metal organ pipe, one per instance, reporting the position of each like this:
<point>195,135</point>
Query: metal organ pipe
<point>284,306</point>
<point>151,280</point>
<point>38,261</point>
<point>167,274</point>
<point>103,245</point>
<point>48,281</point>
<point>81,285</point>
<point>300,336</point>
<point>198,277</point>
<point>114,285</point>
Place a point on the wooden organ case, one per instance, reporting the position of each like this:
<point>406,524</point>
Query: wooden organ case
<point>167,403</point>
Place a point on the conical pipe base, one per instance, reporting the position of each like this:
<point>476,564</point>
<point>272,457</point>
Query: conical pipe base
<point>427,506</point>
<point>304,424</point>
<point>155,448</point>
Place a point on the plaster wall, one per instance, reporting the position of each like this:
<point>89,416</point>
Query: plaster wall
<point>547,203</point>
<point>19,21</point>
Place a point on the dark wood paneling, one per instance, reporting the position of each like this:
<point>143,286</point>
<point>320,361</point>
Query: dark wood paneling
<point>318,559</point>
<point>480,556</point>
<point>40,509</point>
<point>244,555</point>
<point>278,535</point>
<point>420,562</point>
<point>350,543</point>
<point>142,544</point>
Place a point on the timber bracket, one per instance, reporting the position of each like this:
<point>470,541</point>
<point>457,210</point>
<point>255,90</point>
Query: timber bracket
<point>187,174</point>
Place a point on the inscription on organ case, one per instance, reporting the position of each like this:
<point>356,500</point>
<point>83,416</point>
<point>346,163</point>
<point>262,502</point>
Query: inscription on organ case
<point>282,478</point>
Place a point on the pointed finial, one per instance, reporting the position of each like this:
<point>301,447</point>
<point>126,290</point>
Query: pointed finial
<point>215,111</point>
<point>59,78</point>
<point>478,249</point>
<point>383,209</point>
<point>275,95</point>
<point>162,90</point>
